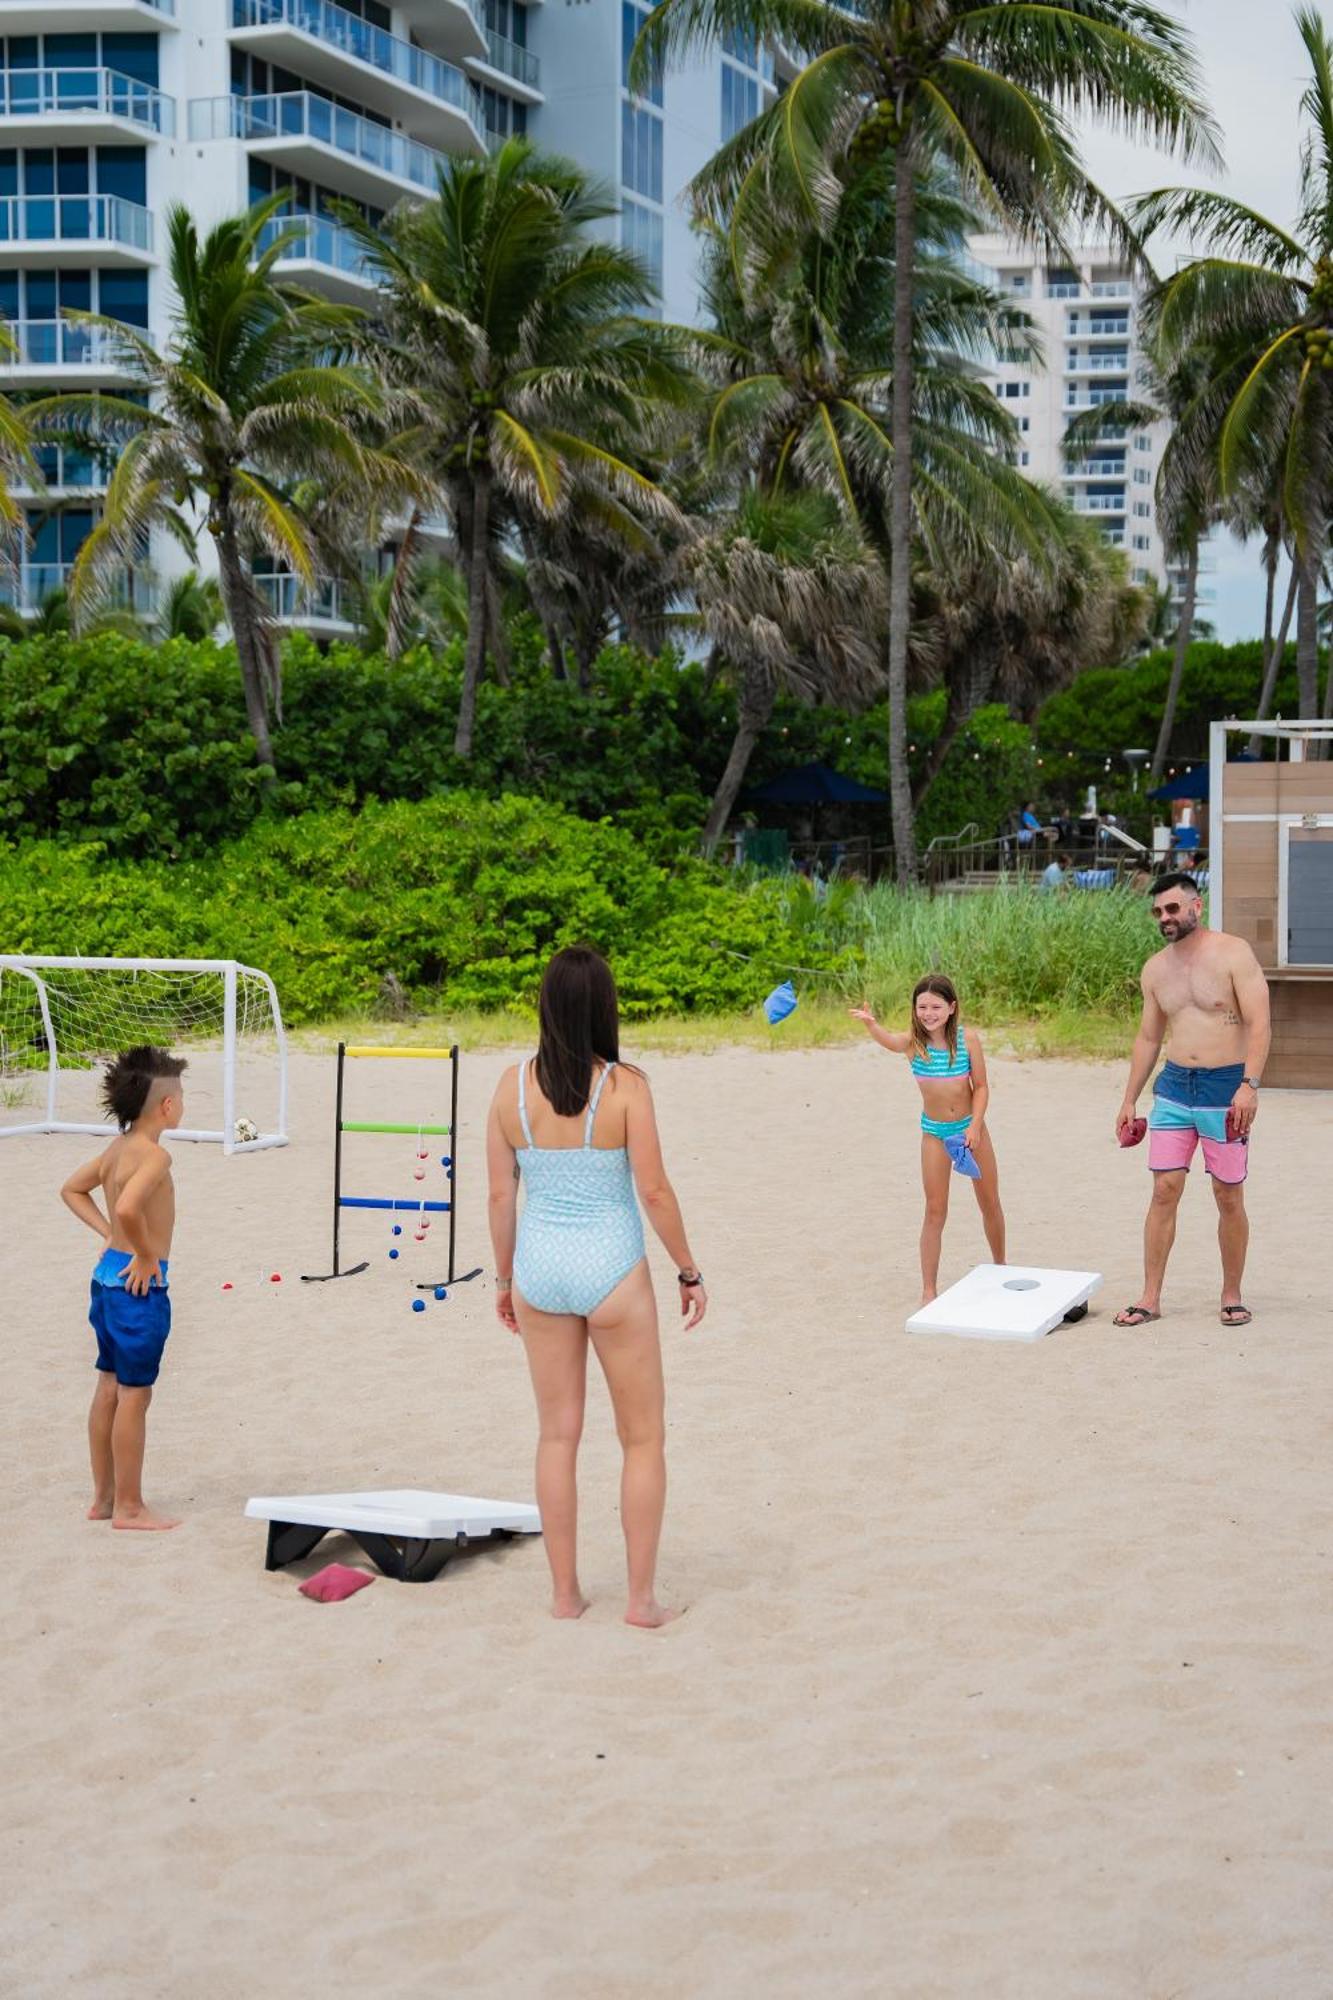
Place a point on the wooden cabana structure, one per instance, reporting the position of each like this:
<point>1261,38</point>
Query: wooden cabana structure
<point>1270,853</point>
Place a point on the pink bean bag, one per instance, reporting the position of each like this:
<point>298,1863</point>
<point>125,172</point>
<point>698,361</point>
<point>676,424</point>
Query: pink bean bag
<point>334,1582</point>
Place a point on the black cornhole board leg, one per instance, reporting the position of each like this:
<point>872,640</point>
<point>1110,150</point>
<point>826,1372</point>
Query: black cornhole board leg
<point>288,1541</point>
<point>408,1558</point>
<point>1076,1313</point>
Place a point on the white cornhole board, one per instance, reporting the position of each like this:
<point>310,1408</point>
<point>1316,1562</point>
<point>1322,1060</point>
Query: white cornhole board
<point>408,1532</point>
<point>1006,1302</point>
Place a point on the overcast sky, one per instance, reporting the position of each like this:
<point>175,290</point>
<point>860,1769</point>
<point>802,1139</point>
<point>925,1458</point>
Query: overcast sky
<point>1254,73</point>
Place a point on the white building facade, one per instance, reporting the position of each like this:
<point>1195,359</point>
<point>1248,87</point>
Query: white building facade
<point>1085,314</point>
<point>111,109</point>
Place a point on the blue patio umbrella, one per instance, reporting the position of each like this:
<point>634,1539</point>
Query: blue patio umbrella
<point>814,785</point>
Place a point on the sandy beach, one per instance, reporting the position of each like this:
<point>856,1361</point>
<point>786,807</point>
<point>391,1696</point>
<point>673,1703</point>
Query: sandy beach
<point>1005,1671</point>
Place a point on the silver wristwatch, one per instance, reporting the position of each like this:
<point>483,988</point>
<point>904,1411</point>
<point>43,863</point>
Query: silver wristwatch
<point>1253,1081</point>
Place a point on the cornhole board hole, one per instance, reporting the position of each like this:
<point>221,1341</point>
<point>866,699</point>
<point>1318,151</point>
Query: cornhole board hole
<point>407,1533</point>
<point>1007,1302</point>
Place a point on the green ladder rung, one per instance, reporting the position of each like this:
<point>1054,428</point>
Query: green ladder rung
<point>426,1131</point>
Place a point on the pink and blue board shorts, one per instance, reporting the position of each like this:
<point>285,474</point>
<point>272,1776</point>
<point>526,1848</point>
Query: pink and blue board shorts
<point>131,1328</point>
<point>1190,1107</point>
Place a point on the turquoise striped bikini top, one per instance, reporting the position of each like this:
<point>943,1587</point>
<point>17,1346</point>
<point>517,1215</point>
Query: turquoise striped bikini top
<point>936,1062</point>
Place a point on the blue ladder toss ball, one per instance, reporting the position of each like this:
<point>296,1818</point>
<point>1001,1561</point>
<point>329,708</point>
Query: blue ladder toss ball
<point>397,1228</point>
<point>393,1253</point>
<point>440,1292</point>
<point>418,1305</point>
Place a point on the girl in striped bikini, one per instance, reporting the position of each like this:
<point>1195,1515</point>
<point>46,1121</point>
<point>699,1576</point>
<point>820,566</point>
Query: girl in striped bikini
<point>949,1065</point>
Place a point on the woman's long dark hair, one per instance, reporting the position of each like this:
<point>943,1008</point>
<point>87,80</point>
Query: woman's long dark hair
<point>580,1025</point>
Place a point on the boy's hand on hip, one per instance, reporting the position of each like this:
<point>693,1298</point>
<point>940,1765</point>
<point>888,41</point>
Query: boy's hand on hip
<point>141,1274</point>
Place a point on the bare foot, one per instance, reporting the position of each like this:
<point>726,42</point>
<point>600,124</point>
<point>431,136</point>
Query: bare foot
<point>141,1517</point>
<point>929,1298</point>
<point>650,1615</point>
<point>569,1607</point>
<point>99,1511</point>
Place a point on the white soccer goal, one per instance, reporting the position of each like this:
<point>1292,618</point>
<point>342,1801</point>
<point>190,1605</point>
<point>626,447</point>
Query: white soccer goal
<point>61,1018</point>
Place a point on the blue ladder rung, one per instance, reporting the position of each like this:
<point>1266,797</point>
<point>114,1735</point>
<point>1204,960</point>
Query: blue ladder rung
<point>374,1201</point>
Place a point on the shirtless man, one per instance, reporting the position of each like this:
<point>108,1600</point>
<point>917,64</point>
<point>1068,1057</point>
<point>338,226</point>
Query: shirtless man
<point>1210,991</point>
<point>130,1309</point>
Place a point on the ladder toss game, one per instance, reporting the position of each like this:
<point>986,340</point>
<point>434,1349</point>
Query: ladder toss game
<point>409,1205</point>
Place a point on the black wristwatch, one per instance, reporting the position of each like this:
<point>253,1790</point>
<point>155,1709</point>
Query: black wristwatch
<point>689,1283</point>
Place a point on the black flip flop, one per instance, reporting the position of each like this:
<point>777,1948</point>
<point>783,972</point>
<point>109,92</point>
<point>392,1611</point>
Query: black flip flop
<point>1134,1317</point>
<point>1237,1315</point>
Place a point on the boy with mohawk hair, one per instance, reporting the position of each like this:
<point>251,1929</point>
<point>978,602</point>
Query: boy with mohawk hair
<point>130,1309</point>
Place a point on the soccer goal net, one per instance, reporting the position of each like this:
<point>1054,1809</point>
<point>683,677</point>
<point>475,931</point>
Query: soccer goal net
<point>62,1018</point>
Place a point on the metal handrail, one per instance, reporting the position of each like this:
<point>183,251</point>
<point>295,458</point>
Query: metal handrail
<point>299,114</point>
<point>317,240</point>
<point>513,59</point>
<point>46,93</point>
<point>61,343</point>
<point>75,218</point>
<point>338,28</point>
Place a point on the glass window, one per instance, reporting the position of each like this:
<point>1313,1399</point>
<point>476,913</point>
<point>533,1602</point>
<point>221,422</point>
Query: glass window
<point>641,150</point>
<point>641,233</point>
<point>21,52</point>
<point>75,289</point>
<point>121,171</point>
<point>740,101</point>
<point>42,295</point>
<point>632,17</point>
<point>72,169</point>
<point>70,52</point>
<point>39,170</point>
<point>742,48</point>
<point>132,55</point>
<point>124,295</point>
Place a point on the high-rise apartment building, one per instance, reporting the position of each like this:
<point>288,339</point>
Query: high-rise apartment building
<point>110,109</point>
<point>1085,316</point>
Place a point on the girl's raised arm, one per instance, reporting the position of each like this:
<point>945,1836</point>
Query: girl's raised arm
<point>888,1038</point>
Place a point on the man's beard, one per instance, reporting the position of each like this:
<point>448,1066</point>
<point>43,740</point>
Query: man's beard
<point>1177,928</point>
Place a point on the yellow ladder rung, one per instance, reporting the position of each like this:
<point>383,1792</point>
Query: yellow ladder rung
<point>442,1054</point>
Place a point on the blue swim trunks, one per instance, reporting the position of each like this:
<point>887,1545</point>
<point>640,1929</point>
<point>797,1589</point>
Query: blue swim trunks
<point>131,1330</point>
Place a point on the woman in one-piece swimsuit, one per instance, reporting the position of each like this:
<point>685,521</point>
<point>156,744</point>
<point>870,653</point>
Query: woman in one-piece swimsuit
<point>575,1128</point>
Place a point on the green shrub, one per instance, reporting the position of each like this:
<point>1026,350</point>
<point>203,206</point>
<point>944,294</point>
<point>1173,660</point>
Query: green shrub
<point>461,899</point>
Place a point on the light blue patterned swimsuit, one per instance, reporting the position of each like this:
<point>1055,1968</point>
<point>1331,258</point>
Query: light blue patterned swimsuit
<point>580,1232</point>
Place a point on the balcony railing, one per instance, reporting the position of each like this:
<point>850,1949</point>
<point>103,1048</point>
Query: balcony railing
<point>298,114</point>
<point>1098,503</point>
<point>514,61</point>
<point>1064,288</point>
<point>1119,323</point>
<point>47,93</point>
<point>63,343</point>
<point>28,588</point>
<point>292,601</point>
<point>1111,288</point>
<point>348,33</point>
<point>75,218</point>
<point>1100,468</point>
<point>313,239</point>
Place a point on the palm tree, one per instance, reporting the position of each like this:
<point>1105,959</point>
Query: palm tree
<point>1264,297</point>
<point>521,338</point>
<point>790,596</point>
<point>250,395</point>
<point>981,84</point>
<point>1021,631</point>
<point>1176,394</point>
<point>191,609</point>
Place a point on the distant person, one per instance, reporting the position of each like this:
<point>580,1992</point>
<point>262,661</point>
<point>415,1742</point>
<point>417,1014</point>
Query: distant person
<point>1055,875</point>
<point>1208,991</point>
<point>948,1064</point>
<point>130,1307</point>
<point>1029,824</point>
<point>577,1127</point>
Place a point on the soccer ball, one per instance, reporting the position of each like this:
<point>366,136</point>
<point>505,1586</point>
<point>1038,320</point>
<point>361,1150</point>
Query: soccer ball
<point>246,1129</point>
